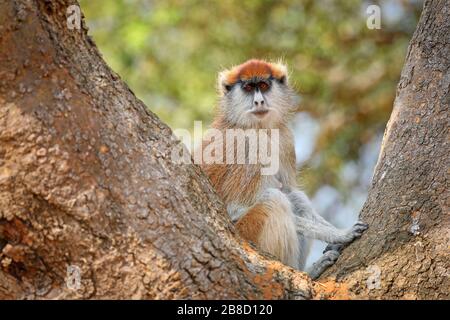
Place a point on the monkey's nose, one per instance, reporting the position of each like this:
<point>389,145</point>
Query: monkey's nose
<point>258,99</point>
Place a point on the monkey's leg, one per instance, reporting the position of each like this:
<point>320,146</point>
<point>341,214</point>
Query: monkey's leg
<point>270,224</point>
<point>305,247</point>
<point>302,206</point>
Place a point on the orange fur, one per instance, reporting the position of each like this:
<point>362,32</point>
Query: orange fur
<point>252,223</point>
<point>253,68</point>
<point>241,182</point>
<point>230,180</point>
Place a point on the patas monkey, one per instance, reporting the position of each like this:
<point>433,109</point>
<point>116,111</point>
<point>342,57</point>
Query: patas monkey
<point>269,210</point>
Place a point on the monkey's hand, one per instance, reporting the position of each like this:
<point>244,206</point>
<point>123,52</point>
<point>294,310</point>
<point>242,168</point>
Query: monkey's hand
<point>355,232</point>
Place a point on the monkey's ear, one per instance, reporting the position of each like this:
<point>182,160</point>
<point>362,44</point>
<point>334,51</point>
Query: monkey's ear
<point>222,83</point>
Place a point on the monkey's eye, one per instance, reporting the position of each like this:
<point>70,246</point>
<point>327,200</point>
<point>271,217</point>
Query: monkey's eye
<point>248,87</point>
<point>263,86</point>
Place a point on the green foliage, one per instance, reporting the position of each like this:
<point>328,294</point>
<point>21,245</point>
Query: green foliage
<point>169,52</point>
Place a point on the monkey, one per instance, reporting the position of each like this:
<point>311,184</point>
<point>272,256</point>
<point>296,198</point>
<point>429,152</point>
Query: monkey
<point>270,210</point>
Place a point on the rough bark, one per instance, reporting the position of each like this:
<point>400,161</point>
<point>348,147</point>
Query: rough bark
<point>408,205</point>
<point>86,179</point>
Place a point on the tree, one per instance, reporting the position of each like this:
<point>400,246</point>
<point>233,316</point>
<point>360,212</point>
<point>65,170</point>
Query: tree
<point>408,204</point>
<point>87,182</point>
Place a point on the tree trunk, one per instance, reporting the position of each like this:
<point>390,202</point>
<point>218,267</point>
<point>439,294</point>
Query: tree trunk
<point>405,253</point>
<point>87,185</point>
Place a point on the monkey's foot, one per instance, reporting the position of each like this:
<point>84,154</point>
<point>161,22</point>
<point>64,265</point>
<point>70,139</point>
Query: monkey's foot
<point>327,260</point>
<point>334,247</point>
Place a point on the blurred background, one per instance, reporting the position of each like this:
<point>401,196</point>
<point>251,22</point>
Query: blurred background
<point>169,53</point>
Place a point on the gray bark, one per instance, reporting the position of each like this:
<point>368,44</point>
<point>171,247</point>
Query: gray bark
<point>86,180</point>
<point>408,204</point>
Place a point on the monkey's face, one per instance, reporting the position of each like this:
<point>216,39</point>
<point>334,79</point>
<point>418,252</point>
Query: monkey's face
<point>258,96</point>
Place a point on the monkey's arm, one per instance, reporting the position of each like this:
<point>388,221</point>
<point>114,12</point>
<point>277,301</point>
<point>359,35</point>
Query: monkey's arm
<point>302,206</point>
<point>313,225</point>
<point>329,234</point>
